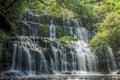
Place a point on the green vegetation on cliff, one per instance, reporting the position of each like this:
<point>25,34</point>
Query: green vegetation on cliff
<point>107,27</point>
<point>68,38</point>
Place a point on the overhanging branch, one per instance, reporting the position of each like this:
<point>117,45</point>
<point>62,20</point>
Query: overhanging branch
<point>10,4</point>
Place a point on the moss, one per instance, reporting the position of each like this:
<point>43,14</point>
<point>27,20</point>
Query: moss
<point>68,38</point>
<point>45,31</point>
<point>59,31</point>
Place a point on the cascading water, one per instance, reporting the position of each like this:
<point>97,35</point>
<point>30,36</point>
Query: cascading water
<point>14,56</point>
<point>32,55</point>
<point>52,30</point>
<point>77,30</point>
<point>81,32</point>
<point>111,61</point>
<point>35,56</point>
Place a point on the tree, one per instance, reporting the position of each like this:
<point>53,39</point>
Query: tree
<point>109,31</point>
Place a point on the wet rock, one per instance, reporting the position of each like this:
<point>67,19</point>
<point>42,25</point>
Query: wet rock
<point>118,72</point>
<point>9,75</point>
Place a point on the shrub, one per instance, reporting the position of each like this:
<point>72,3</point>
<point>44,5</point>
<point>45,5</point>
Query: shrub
<point>99,40</point>
<point>68,38</point>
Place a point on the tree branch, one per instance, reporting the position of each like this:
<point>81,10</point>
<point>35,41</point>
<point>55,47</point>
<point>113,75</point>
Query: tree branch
<point>10,4</point>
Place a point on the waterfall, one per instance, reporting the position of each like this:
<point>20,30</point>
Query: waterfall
<point>76,29</point>
<point>87,60</point>
<point>52,30</point>
<point>81,32</point>
<point>30,25</point>
<point>31,55</point>
<point>111,61</point>
<point>14,56</point>
<point>35,56</point>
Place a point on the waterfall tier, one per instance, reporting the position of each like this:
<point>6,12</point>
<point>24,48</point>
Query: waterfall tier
<point>47,26</point>
<point>35,56</point>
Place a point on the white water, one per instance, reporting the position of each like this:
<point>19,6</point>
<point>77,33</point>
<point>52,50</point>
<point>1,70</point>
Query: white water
<point>29,59</point>
<point>43,56</point>
<point>14,56</point>
<point>111,61</point>
<point>52,30</point>
<point>87,60</point>
<point>37,56</point>
<point>77,29</point>
<point>81,32</point>
<point>55,57</point>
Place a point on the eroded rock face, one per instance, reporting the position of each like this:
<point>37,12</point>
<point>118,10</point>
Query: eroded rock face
<point>29,26</point>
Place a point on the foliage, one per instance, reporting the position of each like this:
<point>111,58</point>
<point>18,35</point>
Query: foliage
<point>13,13</point>
<point>68,38</point>
<point>111,21</point>
<point>99,40</point>
<point>2,38</point>
<point>54,9</point>
<point>59,31</point>
<point>67,8</point>
<point>114,39</point>
<point>105,7</point>
<point>43,30</point>
<point>82,9</point>
<point>109,31</point>
<point>107,14</point>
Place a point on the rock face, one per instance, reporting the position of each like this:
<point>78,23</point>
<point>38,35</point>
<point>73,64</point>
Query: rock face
<point>28,26</point>
<point>6,56</point>
<point>36,56</point>
<point>9,75</point>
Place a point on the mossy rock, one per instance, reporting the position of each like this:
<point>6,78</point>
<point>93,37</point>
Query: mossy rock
<point>68,38</point>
